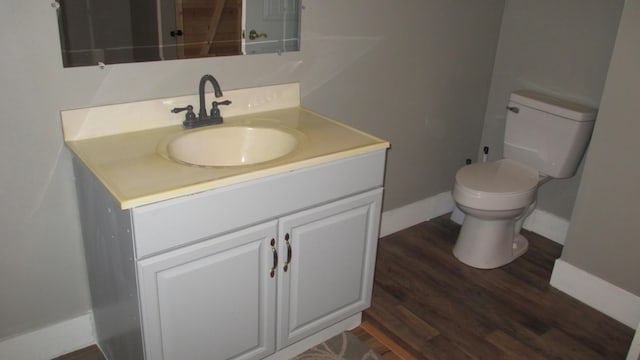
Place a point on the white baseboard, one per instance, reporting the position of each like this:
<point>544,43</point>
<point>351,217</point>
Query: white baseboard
<point>540,222</point>
<point>77,333</point>
<point>51,341</point>
<point>406,216</point>
<point>597,293</point>
<point>634,349</point>
<point>548,225</point>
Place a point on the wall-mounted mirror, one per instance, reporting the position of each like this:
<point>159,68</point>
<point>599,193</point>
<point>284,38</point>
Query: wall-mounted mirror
<point>122,31</point>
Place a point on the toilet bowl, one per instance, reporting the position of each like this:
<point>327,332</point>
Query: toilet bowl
<point>544,138</point>
<point>495,197</point>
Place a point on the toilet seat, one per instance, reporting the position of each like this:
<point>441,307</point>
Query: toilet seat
<point>499,185</point>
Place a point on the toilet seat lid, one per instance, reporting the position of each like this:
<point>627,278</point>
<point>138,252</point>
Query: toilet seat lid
<point>499,177</point>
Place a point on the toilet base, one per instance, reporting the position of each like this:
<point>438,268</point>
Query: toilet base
<point>520,246</point>
<point>488,244</point>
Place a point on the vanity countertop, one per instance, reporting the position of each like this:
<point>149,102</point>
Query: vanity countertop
<point>134,169</point>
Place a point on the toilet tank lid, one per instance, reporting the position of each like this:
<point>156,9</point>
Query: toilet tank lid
<point>553,105</point>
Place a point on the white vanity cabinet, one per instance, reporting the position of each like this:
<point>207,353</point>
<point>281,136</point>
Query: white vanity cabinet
<point>217,299</point>
<point>191,277</point>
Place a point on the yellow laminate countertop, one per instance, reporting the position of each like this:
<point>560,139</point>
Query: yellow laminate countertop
<point>135,169</point>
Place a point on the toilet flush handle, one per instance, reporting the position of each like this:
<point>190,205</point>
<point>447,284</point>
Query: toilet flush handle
<point>513,109</point>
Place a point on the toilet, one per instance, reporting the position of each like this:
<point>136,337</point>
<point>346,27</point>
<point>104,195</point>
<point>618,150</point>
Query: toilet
<point>545,138</point>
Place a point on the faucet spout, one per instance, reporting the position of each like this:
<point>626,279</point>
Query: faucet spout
<point>202,113</point>
<point>203,119</point>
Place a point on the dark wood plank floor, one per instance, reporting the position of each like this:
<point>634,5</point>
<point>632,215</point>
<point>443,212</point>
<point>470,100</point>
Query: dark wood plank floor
<point>435,307</point>
<point>427,305</point>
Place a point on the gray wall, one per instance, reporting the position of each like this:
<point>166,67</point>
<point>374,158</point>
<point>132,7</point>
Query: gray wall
<point>604,237</point>
<point>559,47</point>
<point>416,74</point>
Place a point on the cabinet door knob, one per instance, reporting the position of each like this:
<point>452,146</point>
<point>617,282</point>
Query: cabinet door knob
<point>253,35</point>
<point>286,263</point>
<point>275,257</point>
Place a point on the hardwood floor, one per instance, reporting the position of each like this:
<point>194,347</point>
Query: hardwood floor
<point>428,305</point>
<point>435,307</point>
<point>89,353</point>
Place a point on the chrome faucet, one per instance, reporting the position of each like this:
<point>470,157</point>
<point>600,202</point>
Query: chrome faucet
<point>203,118</point>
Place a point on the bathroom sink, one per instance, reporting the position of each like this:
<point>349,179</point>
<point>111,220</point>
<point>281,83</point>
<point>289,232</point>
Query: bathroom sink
<point>232,145</point>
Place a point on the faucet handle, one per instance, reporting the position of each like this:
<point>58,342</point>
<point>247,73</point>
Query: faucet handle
<point>189,117</point>
<point>215,111</point>
<point>216,103</point>
<point>177,110</point>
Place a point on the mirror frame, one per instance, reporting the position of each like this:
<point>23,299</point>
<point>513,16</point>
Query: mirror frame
<point>95,32</point>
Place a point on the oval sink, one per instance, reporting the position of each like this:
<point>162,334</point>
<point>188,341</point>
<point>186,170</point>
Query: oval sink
<point>231,146</point>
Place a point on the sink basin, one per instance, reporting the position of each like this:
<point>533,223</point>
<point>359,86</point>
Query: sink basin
<point>232,145</point>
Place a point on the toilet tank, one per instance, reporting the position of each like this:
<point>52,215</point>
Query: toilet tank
<point>547,133</point>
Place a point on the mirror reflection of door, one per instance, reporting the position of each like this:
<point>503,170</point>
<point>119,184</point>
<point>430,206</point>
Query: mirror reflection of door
<point>270,26</point>
<point>167,30</point>
<point>204,28</point>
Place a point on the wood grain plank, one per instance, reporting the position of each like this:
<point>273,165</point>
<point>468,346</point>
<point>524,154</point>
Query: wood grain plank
<point>484,313</point>
<point>389,348</point>
<point>392,346</point>
<point>89,353</point>
<point>512,346</point>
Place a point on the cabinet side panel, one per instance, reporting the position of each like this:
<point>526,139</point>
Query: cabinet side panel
<point>109,253</point>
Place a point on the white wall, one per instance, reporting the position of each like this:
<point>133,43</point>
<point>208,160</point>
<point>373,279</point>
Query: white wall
<point>559,47</point>
<point>414,72</point>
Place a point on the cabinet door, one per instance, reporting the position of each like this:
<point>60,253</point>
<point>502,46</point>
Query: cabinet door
<point>330,274</point>
<point>211,300</point>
